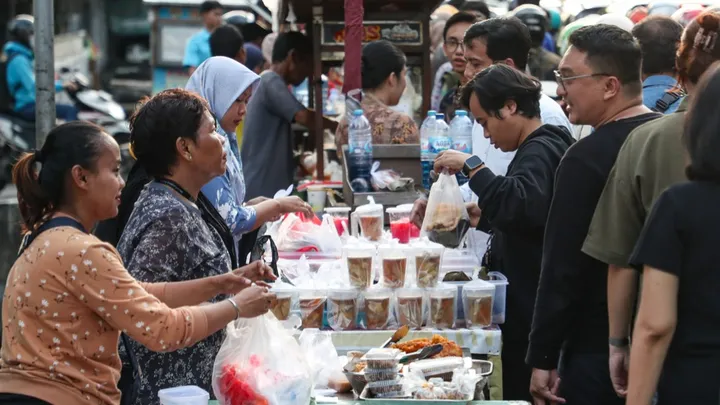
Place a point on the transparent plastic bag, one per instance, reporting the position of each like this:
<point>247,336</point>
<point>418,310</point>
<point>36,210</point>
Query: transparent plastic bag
<point>318,348</point>
<point>295,233</point>
<point>446,219</point>
<point>260,362</point>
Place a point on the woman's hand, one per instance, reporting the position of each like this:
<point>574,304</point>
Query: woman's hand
<point>474,212</point>
<point>254,301</point>
<point>257,272</point>
<point>451,160</point>
<point>294,204</point>
<point>256,201</point>
<point>244,277</point>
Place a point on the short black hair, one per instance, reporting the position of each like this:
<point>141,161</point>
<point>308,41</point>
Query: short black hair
<point>477,6</point>
<point>208,6</point>
<point>379,60</point>
<point>497,84</point>
<point>505,37</point>
<point>701,135</point>
<point>659,38</point>
<point>458,18</point>
<point>226,41</point>
<point>613,51</point>
<point>291,41</point>
<point>253,32</point>
<point>159,122</point>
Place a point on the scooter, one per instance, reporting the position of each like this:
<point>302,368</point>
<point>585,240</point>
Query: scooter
<point>18,136</point>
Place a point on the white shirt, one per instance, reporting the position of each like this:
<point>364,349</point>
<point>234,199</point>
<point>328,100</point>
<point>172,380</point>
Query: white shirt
<point>498,161</point>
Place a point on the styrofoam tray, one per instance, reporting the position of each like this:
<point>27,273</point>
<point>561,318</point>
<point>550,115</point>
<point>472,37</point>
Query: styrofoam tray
<point>390,401</point>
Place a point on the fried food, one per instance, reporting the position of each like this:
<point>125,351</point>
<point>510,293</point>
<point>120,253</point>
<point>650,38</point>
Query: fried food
<point>450,348</point>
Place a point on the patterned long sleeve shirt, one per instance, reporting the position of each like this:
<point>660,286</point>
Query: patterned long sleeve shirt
<point>67,298</point>
<point>167,240</point>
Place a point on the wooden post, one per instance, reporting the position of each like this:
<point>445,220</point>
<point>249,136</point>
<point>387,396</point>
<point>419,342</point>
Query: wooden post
<point>318,90</point>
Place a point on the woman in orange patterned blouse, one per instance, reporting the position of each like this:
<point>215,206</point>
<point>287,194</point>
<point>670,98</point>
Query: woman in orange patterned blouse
<point>68,295</point>
<point>383,83</point>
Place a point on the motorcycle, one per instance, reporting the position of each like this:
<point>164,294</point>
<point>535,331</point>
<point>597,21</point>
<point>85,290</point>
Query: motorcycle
<point>97,106</point>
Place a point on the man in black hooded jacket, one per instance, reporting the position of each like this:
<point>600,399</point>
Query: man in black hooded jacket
<point>514,207</point>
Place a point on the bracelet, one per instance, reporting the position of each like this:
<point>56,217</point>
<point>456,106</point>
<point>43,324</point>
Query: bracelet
<point>235,305</point>
<point>619,342</point>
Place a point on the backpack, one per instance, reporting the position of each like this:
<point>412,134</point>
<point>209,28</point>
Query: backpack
<point>667,100</point>
<point>7,102</point>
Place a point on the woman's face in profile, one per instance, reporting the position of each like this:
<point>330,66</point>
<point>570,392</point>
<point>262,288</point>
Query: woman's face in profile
<point>104,183</point>
<point>236,112</point>
<point>208,155</point>
<point>398,86</point>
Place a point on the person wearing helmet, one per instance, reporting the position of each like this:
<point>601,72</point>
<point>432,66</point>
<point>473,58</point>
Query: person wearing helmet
<point>541,62</point>
<point>687,13</point>
<point>18,57</point>
<point>198,46</point>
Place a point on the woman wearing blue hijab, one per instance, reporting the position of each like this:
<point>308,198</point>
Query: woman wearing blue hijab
<point>227,85</point>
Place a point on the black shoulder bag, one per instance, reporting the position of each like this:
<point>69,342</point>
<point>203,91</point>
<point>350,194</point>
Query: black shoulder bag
<point>129,383</point>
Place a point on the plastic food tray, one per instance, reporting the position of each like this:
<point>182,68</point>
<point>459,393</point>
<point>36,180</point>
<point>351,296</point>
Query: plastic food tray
<point>434,367</point>
<point>382,358</point>
<point>366,396</point>
<point>381,374</point>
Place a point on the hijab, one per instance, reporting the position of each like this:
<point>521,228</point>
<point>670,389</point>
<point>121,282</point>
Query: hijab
<point>220,81</point>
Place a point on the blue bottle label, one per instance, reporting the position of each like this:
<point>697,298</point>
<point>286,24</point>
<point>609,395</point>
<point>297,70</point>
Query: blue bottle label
<point>463,146</point>
<point>440,143</point>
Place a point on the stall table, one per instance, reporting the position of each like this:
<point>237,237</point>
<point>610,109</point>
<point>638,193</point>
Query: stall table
<point>345,399</point>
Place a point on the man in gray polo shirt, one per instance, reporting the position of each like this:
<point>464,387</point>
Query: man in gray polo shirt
<point>267,146</point>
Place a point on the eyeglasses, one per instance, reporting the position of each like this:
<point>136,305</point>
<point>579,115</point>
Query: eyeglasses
<point>452,45</point>
<point>562,81</point>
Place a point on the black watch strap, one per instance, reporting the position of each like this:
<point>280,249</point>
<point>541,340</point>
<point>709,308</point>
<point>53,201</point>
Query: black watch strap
<point>619,342</point>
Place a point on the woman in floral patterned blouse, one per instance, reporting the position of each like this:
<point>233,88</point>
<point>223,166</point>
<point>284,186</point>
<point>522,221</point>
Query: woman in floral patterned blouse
<point>383,83</point>
<point>68,295</point>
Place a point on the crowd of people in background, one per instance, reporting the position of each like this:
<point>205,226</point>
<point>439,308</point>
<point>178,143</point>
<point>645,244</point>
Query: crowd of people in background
<point>576,198</point>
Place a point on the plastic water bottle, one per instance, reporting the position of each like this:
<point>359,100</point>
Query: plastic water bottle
<point>440,139</point>
<point>426,158</point>
<point>359,152</point>
<point>461,134</point>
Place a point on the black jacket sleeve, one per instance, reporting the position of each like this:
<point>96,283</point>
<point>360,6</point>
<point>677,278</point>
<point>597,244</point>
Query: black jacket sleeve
<point>522,198</point>
<point>577,189</point>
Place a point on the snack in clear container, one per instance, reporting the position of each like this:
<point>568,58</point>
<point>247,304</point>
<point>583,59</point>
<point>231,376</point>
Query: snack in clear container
<point>427,261</point>
<point>370,218</point>
<point>443,301</point>
<point>382,358</point>
<point>340,218</point>
<point>381,374</point>
<point>312,304</point>
<point>342,308</point>
<point>360,264</point>
<point>385,387</point>
<point>393,261</point>
<point>285,294</point>
<point>477,298</point>
<point>435,370</point>
<point>409,307</point>
<point>377,308</point>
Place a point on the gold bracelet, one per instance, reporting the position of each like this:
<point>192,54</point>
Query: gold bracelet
<point>235,305</point>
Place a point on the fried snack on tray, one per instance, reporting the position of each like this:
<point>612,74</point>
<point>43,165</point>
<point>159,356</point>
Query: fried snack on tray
<point>450,348</point>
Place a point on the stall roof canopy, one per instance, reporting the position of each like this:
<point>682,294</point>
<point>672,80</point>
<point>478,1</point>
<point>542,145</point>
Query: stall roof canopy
<point>334,9</point>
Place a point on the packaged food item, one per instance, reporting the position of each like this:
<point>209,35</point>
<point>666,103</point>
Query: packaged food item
<point>477,297</point>
<point>446,219</point>
<point>437,368</point>
<point>285,294</point>
<point>428,257</point>
<point>450,348</point>
<point>443,301</point>
<point>381,374</point>
<point>385,387</point>
<point>377,308</point>
<point>370,217</point>
<point>312,304</point>
<point>341,219</point>
<point>409,308</point>
<point>342,308</point>
<point>382,359</point>
<point>359,259</point>
<point>400,223</point>
<point>393,259</point>
<point>501,283</point>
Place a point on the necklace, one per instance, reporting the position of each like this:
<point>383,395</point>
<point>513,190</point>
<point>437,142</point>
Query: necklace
<point>178,188</point>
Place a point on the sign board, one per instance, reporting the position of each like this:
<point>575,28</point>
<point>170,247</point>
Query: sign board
<point>397,32</point>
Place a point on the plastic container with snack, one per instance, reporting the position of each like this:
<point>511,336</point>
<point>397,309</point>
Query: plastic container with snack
<point>287,296</point>
<point>400,225</point>
<point>381,374</point>
<point>377,308</point>
<point>370,219</point>
<point>360,258</point>
<point>312,305</point>
<point>410,303</point>
<point>437,368</point>
<point>443,306</point>
<point>386,387</point>
<point>382,358</point>
<point>477,299</point>
<point>427,259</point>
<point>393,265</point>
<point>501,283</point>
<point>342,308</point>
<point>341,219</point>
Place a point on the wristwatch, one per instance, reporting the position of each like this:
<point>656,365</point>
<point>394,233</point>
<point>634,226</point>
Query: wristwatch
<point>619,342</point>
<point>472,163</point>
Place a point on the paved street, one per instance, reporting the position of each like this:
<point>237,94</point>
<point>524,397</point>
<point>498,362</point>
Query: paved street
<point>8,195</point>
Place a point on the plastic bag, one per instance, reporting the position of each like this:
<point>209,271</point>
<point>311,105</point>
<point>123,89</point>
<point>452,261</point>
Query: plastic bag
<point>261,363</point>
<point>446,219</point>
<point>388,179</point>
<point>318,348</point>
<point>295,233</point>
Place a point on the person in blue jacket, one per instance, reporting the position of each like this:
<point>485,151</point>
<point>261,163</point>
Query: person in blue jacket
<point>19,56</point>
<point>198,46</point>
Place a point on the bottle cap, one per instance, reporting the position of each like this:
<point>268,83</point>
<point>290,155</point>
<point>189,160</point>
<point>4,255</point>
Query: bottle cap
<point>440,116</point>
<point>431,113</point>
<point>357,113</point>
<point>461,113</point>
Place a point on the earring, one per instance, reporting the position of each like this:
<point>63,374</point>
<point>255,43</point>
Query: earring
<point>188,156</point>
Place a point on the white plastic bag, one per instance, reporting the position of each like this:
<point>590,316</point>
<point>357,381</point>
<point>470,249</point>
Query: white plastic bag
<point>261,363</point>
<point>321,353</point>
<point>297,234</point>
<point>446,219</point>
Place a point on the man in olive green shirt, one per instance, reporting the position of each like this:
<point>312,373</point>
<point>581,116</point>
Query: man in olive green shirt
<point>651,159</point>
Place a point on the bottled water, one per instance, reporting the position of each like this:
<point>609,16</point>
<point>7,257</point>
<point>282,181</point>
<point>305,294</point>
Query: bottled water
<point>461,134</point>
<point>440,138</point>
<point>359,152</point>
<point>426,158</point>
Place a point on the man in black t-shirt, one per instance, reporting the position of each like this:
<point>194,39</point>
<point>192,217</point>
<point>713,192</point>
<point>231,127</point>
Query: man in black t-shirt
<point>599,80</point>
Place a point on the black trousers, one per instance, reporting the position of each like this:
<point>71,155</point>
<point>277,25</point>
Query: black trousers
<point>515,373</point>
<point>585,380</point>
<point>16,399</point>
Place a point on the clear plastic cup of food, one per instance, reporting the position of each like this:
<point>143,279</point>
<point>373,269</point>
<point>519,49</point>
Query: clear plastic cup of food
<point>342,308</point>
<point>377,308</point>
<point>443,306</point>
<point>410,305</point>
<point>341,219</point>
<point>477,298</point>
<point>393,265</point>
<point>312,305</point>
<point>400,226</point>
<point>427,260</point>
<point>370,218</point>
<point>359,258</point>
<point>286,295</point>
